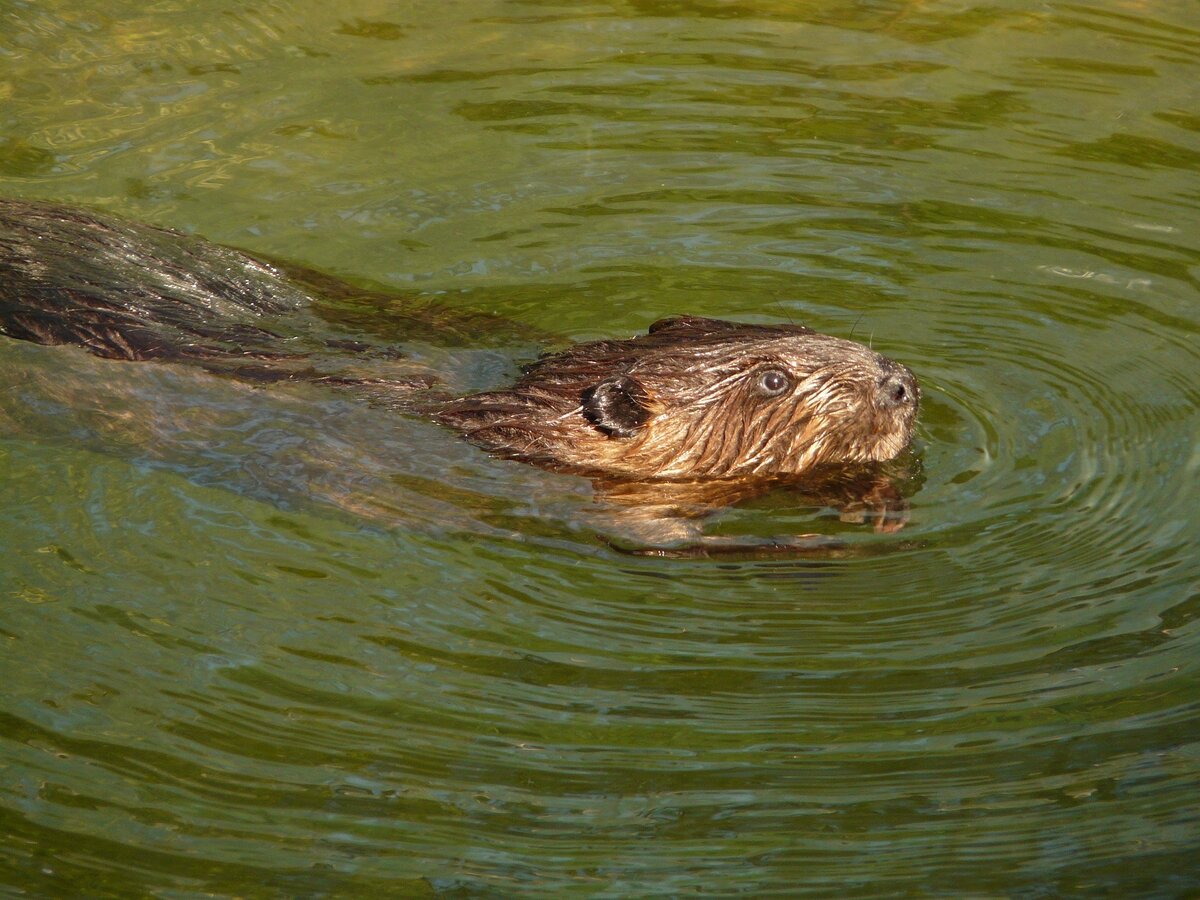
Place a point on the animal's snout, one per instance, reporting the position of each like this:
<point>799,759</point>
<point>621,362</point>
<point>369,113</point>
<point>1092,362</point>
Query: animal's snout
<point>898,388</point>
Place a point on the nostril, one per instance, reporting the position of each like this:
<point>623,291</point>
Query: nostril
<point>897,390</point>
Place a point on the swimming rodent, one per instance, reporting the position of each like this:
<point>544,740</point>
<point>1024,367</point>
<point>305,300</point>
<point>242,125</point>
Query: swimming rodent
<point>699,398</point>
<point>693,399</point>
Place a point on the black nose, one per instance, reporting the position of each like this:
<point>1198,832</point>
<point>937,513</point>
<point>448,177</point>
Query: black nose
<point>898,388</point>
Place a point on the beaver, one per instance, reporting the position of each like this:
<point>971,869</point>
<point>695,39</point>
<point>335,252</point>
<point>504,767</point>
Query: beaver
<point>693,399</point>
<point>699,398</point>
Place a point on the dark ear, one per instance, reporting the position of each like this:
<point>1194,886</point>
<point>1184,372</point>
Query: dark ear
<point>616,406</point>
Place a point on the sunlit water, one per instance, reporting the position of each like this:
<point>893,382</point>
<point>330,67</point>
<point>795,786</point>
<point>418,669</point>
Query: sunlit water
<point>230,670</point>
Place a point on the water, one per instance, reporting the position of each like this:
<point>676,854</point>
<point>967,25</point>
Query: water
<point>227,674</point>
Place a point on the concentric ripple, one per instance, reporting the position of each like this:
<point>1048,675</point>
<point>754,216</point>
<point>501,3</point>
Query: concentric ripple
<point>262,642</point>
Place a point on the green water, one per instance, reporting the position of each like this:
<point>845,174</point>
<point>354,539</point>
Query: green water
<point>217,681</point>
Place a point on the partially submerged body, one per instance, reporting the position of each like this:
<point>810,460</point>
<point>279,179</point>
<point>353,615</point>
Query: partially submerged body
<point>709,410</point>
<point>699,399</point>
<point>129,291</point>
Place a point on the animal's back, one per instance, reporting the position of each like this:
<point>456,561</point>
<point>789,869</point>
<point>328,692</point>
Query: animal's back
<point>130,291</point>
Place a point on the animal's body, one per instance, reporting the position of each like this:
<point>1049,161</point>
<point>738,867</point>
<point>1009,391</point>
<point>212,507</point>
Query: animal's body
<point>693,399</point>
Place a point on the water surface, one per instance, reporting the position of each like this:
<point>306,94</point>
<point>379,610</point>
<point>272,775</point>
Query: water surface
<point>223,677</point>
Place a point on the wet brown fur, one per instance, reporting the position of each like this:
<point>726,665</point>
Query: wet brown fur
<point>693,399</point>
<point>687,401</point>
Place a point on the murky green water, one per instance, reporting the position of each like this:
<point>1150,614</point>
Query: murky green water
<point>217,681</point>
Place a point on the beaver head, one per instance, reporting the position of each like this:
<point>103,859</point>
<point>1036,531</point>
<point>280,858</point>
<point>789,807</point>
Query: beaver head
<point>698,398</point>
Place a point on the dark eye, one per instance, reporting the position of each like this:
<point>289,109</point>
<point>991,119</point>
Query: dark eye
<point>773,382</point>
